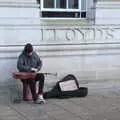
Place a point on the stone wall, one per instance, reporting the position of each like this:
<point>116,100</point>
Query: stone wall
<point>90,51</point>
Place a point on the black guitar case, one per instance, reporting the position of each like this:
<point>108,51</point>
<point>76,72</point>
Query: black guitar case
<point>59,92</point>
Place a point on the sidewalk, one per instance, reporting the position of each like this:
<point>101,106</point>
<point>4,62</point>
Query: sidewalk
<point>104,105</point>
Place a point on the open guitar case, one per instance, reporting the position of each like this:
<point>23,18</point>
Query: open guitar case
<point>66,88</point>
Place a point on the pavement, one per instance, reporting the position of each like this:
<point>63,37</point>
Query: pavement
<point>100,105</point>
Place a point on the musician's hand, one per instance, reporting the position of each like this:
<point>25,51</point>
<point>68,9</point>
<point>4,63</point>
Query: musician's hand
<point>34,70</point>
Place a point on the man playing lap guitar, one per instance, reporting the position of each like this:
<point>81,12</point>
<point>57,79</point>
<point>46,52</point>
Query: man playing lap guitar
<point>29,62</point>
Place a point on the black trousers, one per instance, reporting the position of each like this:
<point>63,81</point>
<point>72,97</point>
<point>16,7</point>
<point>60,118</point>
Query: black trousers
<point>32,85</point>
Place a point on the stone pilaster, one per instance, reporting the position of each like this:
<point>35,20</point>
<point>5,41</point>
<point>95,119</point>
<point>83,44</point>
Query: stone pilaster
<point>107,12</point>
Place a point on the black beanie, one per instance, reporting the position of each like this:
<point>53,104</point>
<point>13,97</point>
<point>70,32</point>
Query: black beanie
<point>28,48</point>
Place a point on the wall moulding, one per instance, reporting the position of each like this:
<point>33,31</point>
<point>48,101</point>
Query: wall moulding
<point>12,52</point>
<point>96,34</point>
<point>60,35</point>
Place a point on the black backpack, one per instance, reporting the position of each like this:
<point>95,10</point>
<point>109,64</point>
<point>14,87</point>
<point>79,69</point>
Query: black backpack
<point>66,88</point>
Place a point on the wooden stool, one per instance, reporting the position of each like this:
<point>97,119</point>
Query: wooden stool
<point>25,76</point>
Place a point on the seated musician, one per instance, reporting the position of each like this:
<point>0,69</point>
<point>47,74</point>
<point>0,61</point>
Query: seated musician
<point>28,62</point>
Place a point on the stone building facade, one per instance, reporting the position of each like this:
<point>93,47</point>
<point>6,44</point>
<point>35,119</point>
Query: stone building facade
<point>85,43</point>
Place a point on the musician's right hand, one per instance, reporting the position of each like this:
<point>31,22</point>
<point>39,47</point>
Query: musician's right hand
<point>34,70</point>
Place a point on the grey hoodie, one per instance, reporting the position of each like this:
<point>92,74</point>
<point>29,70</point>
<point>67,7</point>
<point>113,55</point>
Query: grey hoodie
<point>25,62</point>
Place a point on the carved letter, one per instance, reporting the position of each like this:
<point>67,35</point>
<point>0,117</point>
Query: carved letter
<point>109,34</point>
<point>70,35</point>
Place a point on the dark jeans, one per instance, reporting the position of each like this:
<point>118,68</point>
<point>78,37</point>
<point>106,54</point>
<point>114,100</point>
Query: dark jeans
<point>32,85</point>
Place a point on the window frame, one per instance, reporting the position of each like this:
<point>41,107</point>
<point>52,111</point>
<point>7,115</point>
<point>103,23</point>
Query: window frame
<point>79,9</point>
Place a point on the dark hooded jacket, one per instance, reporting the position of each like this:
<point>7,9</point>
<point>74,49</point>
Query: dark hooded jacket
<point>25,62</point>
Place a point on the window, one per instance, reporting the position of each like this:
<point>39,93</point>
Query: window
<point>73,4</point>
<point>48,4</point>
<point>63,8</point>
<point>60,3</point>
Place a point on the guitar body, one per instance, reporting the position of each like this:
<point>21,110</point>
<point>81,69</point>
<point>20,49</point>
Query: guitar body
<point>24,75</point>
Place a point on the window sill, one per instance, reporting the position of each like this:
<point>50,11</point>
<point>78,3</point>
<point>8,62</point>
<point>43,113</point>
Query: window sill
<point>82,21</point>
<point>57,19</point>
